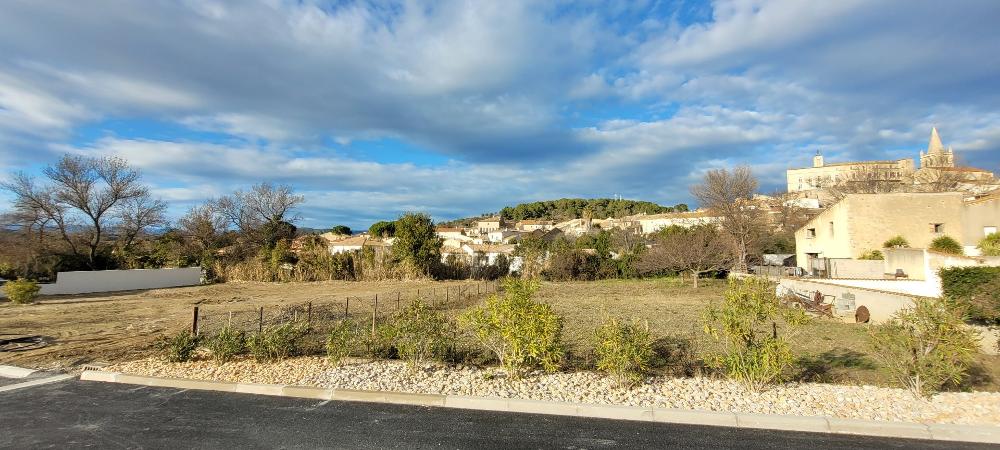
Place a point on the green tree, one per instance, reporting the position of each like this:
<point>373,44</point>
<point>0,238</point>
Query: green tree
<point>382,229</point>
<point>417,245</point>
<point>341,229</point>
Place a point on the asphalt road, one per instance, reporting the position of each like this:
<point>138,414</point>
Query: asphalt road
<point>73,414</point>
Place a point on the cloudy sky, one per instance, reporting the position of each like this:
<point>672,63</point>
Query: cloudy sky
<point>456,108</point>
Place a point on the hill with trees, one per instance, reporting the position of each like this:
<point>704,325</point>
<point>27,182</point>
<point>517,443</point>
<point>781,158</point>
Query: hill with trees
<point>574,208</point>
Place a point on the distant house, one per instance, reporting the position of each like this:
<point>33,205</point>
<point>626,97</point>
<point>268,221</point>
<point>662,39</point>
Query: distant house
<point>533,225</point>
<point>348,245</point>
<point>656,222</point>
<point>501,236</point>
<point>450,233</point>
<point>485,226</point>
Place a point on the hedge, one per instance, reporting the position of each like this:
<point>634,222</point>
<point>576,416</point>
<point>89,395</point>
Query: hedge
<point>977,287</point>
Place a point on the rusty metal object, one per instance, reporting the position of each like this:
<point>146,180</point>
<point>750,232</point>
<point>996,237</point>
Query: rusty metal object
<point>861,315</point>
<point>814,305</point>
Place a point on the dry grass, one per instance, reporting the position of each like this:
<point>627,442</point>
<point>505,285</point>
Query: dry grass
<point>121,327</point>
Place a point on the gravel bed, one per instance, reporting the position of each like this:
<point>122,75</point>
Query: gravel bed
<point>804,399</point>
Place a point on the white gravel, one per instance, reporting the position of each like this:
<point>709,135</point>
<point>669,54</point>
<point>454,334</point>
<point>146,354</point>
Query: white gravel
<point>805,399</point>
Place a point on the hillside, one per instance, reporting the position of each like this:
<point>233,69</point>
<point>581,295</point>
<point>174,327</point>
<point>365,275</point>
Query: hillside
<point>573,208</point>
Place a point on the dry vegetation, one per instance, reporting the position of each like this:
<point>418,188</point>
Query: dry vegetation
<point>114,328</point>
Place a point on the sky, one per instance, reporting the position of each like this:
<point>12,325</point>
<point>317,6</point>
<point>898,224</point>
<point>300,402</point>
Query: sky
<point>456,108</point>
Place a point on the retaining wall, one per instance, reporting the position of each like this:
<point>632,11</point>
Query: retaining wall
<point>85,282</point>
<point>881,305</point>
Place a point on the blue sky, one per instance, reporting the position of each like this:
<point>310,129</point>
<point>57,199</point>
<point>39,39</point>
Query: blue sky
<point>371,109</point>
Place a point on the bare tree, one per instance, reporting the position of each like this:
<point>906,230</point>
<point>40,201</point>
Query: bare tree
<point>138,215</point>
<point>694,251</point>
<point>93,195</point>
<point>730,195</point>
<point>260,212</point>
<point>203,226</point>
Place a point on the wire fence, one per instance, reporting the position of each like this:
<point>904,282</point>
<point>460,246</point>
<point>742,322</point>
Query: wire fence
<point>323,312</point>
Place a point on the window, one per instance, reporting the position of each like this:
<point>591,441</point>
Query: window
<point>831,229</point>
<point>989,230</point>
<point>811,233</point>
<point>937,228</point>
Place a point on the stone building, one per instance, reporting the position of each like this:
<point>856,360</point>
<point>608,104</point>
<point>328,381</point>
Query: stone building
<point>859,223</point>
<point>937,163</point>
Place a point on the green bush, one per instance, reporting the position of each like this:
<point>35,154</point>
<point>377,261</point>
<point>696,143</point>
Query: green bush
<point>977,288</point>
<point>747,323</point>
<point>227,344</point>
<point>926,346</point>
<point>21,291</point>
<point>179,347</point>
<point>419,332</point>
<point>520,332</point>
<point>343,340</point>
<point>990,245</point>
<point>896,242</point>
<point>275,343</point>
<point>872,255</point>
<point>624,351</point>
<point>947,244</point>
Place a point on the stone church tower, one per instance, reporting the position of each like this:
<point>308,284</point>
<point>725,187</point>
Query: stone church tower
<point>936,155</point>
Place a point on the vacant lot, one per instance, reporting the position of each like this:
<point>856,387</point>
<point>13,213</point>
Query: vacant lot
<point>114,328</point>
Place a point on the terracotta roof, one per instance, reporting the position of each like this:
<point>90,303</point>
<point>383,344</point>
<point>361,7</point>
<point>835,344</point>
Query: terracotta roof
<point>677,215</point>
<point>355,241</point>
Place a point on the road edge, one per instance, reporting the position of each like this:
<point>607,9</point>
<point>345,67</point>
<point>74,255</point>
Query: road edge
<point>816,424</point>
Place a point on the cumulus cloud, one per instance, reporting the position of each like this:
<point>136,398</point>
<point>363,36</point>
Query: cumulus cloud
<point>515,100</point>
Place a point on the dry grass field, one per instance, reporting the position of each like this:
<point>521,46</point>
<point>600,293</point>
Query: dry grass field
<point>125,326</point>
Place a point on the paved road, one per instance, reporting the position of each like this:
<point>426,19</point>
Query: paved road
<point>91,414</point>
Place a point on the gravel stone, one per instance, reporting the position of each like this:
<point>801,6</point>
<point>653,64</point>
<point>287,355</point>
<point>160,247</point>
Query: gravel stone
<point>802,399</point>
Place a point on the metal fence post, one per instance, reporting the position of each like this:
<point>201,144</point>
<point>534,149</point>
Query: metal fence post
<point>347,308</point>
<point>194,322</point>
<point>374,312</point>
<point>260,320</point>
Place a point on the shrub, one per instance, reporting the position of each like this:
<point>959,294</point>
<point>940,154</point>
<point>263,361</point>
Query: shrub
<point>926,346</point>
<point>419,332</point>
<point>227,344</point>
<point>624,350</point>
<point>990,245</point>
<point>978,288</point>
<point>275,342</point>
<point>21,291</point>
<point>520,332</point>
<point>747,324</point>
<point>947,244</point>
<point>179,347</point>
<point>896,242</point>
<point>872,255</point>
<point>343,340</point>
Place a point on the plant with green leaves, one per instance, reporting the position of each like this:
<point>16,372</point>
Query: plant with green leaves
<point>419,332</point>
<point>21,291</point>
<point>926,346</point>
<point>275,343</point>
<point>872,255</point>
<point>179,347</point>
<point>947,244</point>
<point>416,243</point>
<point>343,340</point>
<point>624,350</point>
<point>990,245</point>
<point>228,343</point>
<point>896,242</point>
<point>748,324</point>
<point>519,331</point>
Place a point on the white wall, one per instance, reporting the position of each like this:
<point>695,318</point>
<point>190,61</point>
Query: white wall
<point>120,280</point>
<point>881,305</point>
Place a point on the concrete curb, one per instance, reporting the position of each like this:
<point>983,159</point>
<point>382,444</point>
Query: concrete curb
<point>15,372</point>
<point>36,382</point>
<point>816,424</point>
